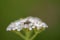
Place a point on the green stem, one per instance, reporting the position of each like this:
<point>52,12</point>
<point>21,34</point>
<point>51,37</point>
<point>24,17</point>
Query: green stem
<point>34,35</point>
<point>27,35</point>
<point>19,33</point>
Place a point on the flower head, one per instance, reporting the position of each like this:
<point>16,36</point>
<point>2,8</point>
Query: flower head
<point>28,22</point>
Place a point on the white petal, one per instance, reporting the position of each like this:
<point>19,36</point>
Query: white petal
<point>26,26</point>
<point>19,28</point>
<point>8,29</point>
<point>13,29</point>
<point>17,23</point>
<point>30,28</point>
<point>33,26</point>
<point>44,25</point>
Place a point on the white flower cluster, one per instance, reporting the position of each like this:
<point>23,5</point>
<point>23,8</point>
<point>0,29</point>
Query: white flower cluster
<point>29,22</point>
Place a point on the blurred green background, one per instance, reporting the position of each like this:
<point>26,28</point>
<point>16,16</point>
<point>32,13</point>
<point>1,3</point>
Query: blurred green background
<point>47,10</point>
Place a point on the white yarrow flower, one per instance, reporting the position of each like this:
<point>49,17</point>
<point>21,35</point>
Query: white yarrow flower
<point>29,22</point>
